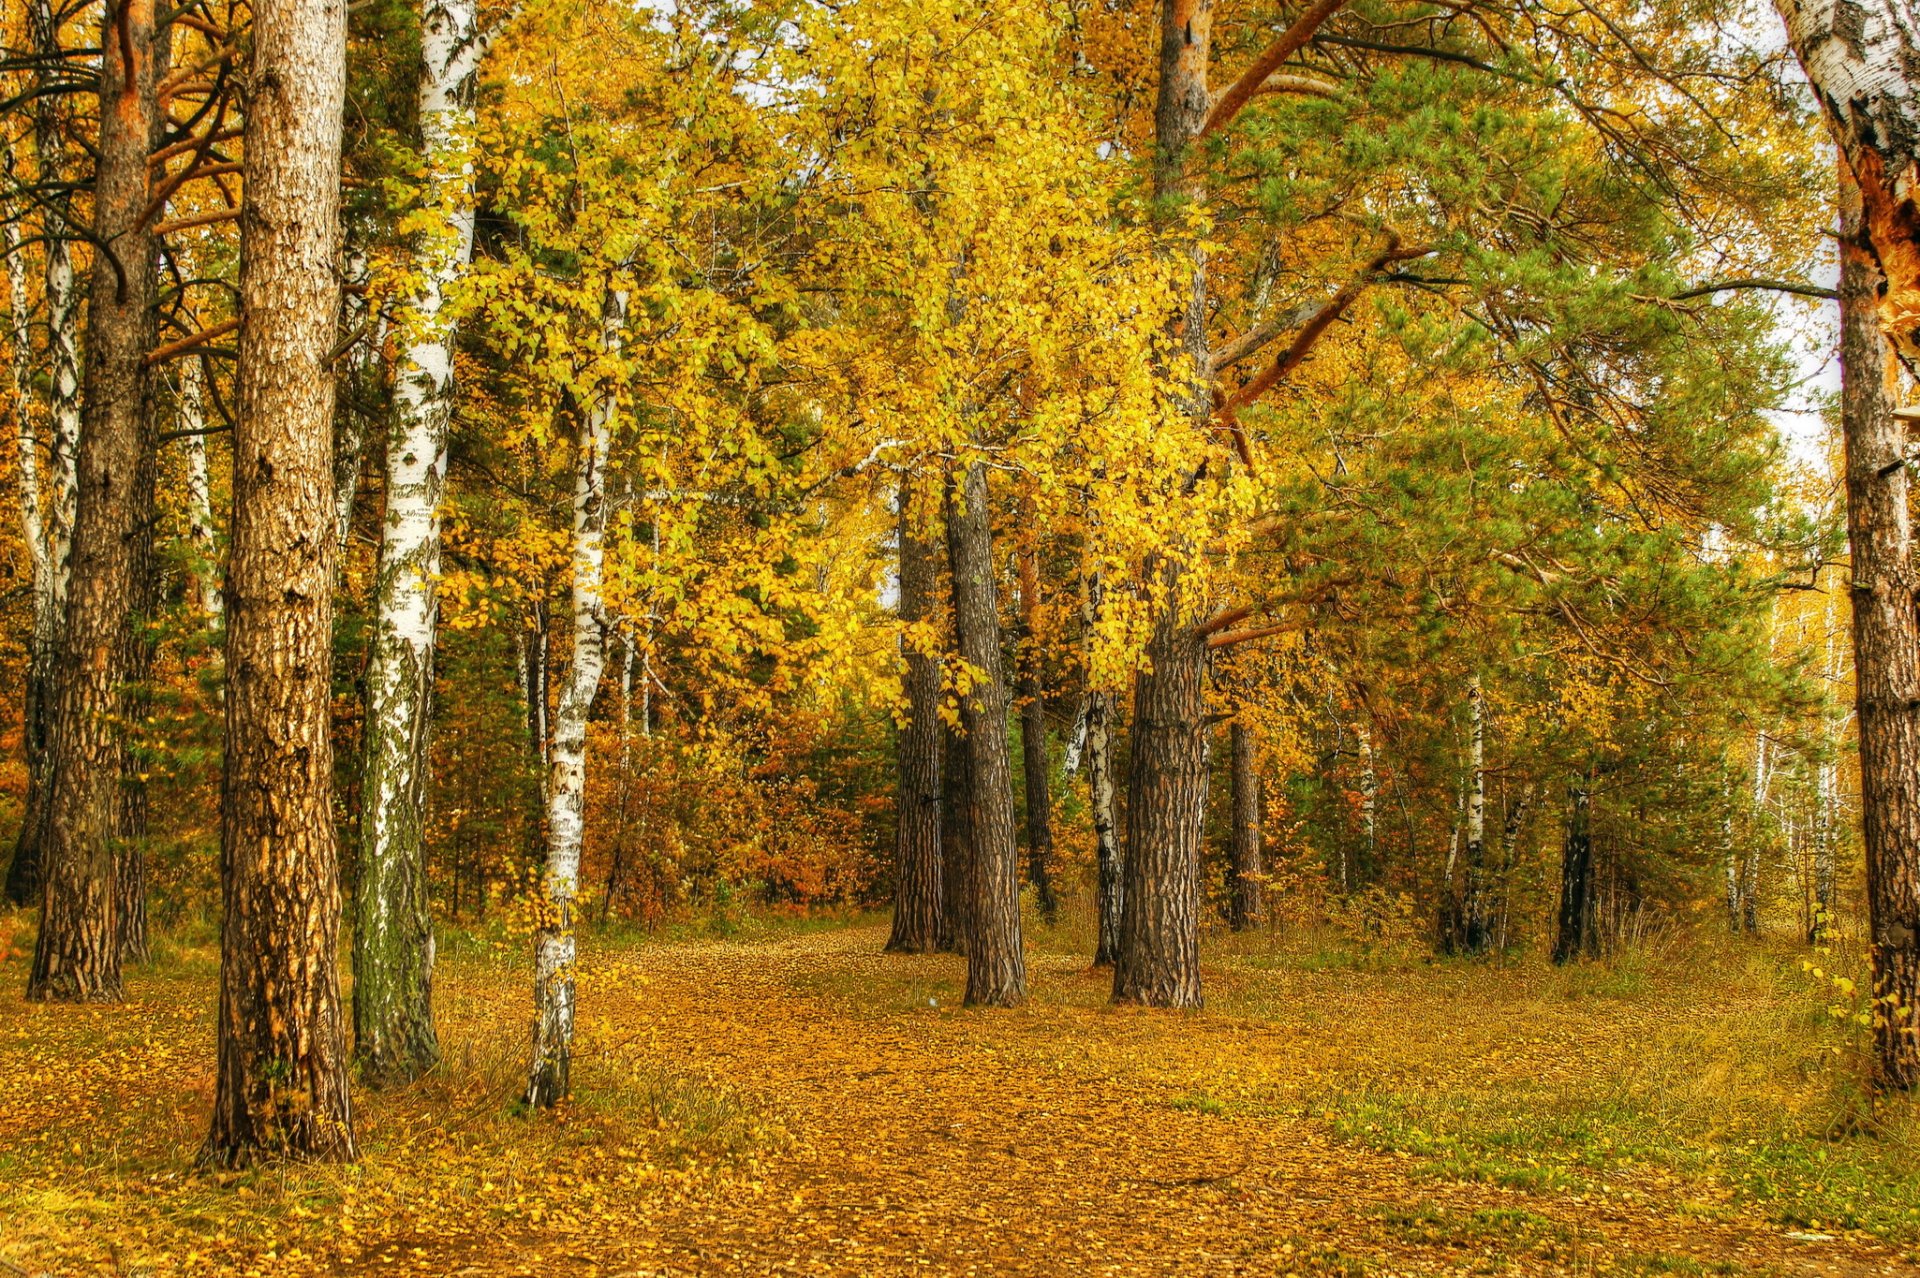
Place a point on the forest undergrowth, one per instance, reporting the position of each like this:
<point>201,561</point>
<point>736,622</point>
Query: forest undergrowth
<point>762,1097</point>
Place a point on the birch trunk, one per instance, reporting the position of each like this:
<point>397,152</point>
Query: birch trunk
<point>1862,58</point>
<point>1749,891</point>
<point>996,961</point>
<point>59,497</point>
<point>1886,645</point>
<point>281,1076</point>
<point>916,863</point>
<point>1098,737</point>
<point>1473,933</point>
<point>1369,804</point>
<point>394,1038</point>
<point>553,985</point>
<point>202,544</point>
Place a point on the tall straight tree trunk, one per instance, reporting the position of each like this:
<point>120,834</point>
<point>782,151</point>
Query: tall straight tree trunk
<point>1369,804</point>
<point>1474,932</point>
<point>1111,874</point>
<point>1247,900</point>
<point>1862,59</point>
<point>1749,889</point>
<point>1577,935</point>
<point>996,962</point>
<point>201,542</point>
<point>1159,959</point>
<point>956,841</point>
<point>358,395</point>
<point>23,874</point>
<point>60,498</point>
<point>1886,644</point>
<point>1110,884</point>
<point>393,924</point>
<point>281,1077</point>
<point>1036,765</point>
<point>567,787</point>
<point>79,949</point>
<point>917,886</point>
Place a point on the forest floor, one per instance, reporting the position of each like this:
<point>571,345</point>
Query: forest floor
<point>794,1102</point>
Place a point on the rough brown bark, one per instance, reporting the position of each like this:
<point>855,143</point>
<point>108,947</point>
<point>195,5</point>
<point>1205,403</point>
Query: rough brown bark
<point>81,937</point>
<point>1886,639</point>
<point>281,1076</point>
<point>917,886</point>
<point>1578,933</point>
<point>1247,898</point>
<point>996,963</point>
<point>1159,954</point>
<point>1035,764</point>
<point>1159,959</point>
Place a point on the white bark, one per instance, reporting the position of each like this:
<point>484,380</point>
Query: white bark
<point>1477,778</point>
<point>567,787</point>
<point>26,445</point>
<point>394,948</point>
<point>1369,801</point>
<point>1750,868</point>
<point>191,415</point>
<point>1862,58</point>
<point>61,495</point>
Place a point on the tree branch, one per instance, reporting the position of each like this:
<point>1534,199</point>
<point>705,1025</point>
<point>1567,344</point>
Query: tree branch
<point>1241,91</point>
<point>1775,286</point>
<point>173,350</point>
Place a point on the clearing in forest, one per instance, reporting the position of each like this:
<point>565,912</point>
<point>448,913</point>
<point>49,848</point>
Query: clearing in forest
<point>798,1103</point>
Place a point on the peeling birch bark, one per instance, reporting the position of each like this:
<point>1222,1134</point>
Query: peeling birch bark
<point>393,935</point>
<point>1862,58</point>
<point>553,957</point>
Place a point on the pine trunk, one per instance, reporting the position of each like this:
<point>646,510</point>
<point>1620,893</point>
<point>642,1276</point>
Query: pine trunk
<point>996,963</point>
<point>1036,765</point>
<point>1577,936</point>
<point>393,925</point>
<point>1159,959</point>
<point>78,955</point>
<point>917,886</point>
<point>553,957</point>
<point>1247,900</point>
<point>281,1079</point>
<point>1159,956</point>
<point>60,498</point>
<point>1886,640</point>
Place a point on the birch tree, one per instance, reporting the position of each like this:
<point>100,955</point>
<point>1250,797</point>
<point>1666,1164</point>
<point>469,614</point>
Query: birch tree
<point>554,949</point>
<point>393,933</point>
<point>58,499</point>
